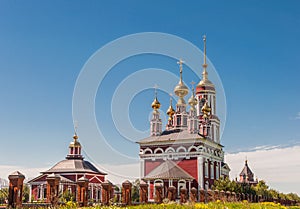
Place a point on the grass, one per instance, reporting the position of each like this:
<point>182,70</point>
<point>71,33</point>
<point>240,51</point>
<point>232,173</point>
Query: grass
<point>211,205</point>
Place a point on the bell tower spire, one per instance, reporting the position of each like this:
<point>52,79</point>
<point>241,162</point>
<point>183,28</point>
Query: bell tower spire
<point>204,73</point>
<point>206,107</point>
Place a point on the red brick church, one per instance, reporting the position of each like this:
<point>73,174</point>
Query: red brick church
<point>69,171</point>
<point>188,153</point>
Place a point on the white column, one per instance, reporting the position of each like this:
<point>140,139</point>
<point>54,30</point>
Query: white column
<point>148,189</point>
<point>142,165</point>
<point>30,192</point>
<point>189,187</point>
<point>219,169</point>
<point>92,193</point>
<point>212,169</point>
<point>200,172</point>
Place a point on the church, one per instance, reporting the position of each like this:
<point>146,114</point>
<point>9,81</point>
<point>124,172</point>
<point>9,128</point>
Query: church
<point>69,171</point>
<point>188,153</point>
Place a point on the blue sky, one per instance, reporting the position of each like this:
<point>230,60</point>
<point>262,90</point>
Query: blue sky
<point>254,46</point>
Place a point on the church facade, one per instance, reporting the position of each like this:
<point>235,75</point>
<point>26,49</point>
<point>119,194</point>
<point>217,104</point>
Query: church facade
<point>188,153</point>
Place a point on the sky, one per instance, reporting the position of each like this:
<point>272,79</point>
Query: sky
<point>252,45</point>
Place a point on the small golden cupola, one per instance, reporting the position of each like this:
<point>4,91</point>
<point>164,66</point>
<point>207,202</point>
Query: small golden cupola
<point>155,104</point>
<point>192,100</point>
<point>74,148</point>
<point>180,89</point>
<point>170,111</point>
<point>206,110</point>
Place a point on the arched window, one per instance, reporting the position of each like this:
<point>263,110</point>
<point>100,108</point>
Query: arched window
<point>158,151</point>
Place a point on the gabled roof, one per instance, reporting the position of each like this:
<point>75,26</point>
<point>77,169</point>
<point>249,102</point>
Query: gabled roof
<point>225,166</point>
<point>168,170</point>
<point>42,178</point>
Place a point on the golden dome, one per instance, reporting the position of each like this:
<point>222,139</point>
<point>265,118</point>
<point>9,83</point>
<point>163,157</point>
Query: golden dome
<point>170,111</point>
<point>75,143</point>
<point>205,82</point>
<point>155,104</point>
<point>193,101</point>
<point>181,90</point>
<point>206,110</point>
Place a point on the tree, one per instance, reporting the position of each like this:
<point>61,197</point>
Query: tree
<point>135,191</point>
<point>67,196</point>
<point>273,193</point>
<point>25,195</point>
<point>222,184</point>
<point>293,196</point>
<point>233,186</point>
<point>3,195</point>
<point>261,188</point>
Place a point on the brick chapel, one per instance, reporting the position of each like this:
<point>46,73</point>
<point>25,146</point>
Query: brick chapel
<point>69,171</point>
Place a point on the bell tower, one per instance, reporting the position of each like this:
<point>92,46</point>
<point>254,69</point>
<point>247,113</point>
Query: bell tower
<point>206,96</point>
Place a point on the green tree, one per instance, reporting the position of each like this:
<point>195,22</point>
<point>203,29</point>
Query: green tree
<point>272,193</point>
<point>3,195</point>
<point>261,188</point>
<point>135,191</point>
<point>222,184</point>
<point>67,196</point>
<point>25,195</point>
<point>293,196</point>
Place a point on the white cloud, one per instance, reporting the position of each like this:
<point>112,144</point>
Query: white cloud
<point>119,173</point>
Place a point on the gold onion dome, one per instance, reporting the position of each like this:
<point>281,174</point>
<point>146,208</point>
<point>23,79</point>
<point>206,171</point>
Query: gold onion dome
<point>155,104</point>
<point>180,89</point>
<point>205,109</point>
<point>170,111</point>
<point>192,101</point>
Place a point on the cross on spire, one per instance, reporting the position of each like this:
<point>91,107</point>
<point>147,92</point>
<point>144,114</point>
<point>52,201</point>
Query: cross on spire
<point>171,98</point>
<point>75,127</point>
<point>204,73</point>
<point>155,90</point>
<point>193,83</point>
<point>204,50</point>
<point>180,62</point>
